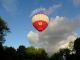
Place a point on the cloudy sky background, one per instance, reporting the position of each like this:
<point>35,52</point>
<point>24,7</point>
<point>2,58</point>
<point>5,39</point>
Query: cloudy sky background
<point>63,27</point>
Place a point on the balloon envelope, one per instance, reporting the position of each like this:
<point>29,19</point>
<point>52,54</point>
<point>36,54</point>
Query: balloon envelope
<point>40,21</point>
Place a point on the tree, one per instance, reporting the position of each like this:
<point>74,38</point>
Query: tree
<point>41,54</point>
<point>56,56</point>
<point>10,53</point>
<point>77,48</point>
<point>66,53</point>
<point>77,45</point>
<point>3,30</point>
<point>21,53</point>
<point>36,53</point>
<point>1,52</point>
<point>61,55</point>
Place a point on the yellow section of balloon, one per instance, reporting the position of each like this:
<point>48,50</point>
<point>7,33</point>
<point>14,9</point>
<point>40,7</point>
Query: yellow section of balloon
<point>40,17</point>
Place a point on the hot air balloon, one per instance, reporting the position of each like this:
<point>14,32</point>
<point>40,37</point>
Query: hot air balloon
<point>40,21</point>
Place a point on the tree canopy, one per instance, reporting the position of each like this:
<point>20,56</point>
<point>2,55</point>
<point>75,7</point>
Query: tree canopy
<point>4,29</point>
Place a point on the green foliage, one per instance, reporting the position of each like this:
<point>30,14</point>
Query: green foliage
<point>56,56</point>
<point>4,26</point>
<point>64,51</point>
<point>77,44</point>
<point>2,40</point>
<point>59,55</point>
<point>31,50</point>
<point>3,30</point>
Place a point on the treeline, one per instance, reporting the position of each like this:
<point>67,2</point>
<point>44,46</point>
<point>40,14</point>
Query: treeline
<point>22,53</point>
<point>31,53</point>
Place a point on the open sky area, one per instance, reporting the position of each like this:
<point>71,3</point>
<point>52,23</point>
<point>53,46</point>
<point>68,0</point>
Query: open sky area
<point>17,14</point>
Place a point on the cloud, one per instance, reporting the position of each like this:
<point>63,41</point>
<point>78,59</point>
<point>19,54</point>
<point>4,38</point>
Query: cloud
<point>47,11</point>
<point>76,2</point>
<point>58,34</point>
<point>33,36</point>
<point>9,5</point>
<point>53,8</point>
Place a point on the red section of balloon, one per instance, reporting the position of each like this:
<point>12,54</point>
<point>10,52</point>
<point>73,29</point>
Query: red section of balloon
<point>40,25</point>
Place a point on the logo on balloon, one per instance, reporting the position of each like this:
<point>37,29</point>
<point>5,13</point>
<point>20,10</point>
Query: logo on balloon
<point>40,21</point>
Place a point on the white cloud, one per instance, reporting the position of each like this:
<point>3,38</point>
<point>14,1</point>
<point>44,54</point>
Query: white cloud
<point>48,11</point>
<point>53,8</point>
<point>76,2</point>
<point>58,34</point>
<point>33,36</point>
<point>9,5</point>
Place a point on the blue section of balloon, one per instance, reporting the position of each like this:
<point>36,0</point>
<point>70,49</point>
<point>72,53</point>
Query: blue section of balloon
<point>41,12</point>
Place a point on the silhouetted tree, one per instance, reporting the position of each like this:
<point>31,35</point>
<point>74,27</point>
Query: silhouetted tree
<point>56,56</point>
<point>66,54</point>
<point>21,53</point>
<point>77,45</point>
<point>3,30</point>
<point>10,53</point>
<point>61,55</point>
<point>77,48</point>
<point>1,52</point>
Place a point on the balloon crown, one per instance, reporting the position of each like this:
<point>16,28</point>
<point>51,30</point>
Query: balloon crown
<point>39,11</point>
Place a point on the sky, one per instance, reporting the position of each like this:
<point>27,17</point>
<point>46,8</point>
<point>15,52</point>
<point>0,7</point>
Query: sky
<point>63,27</point>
